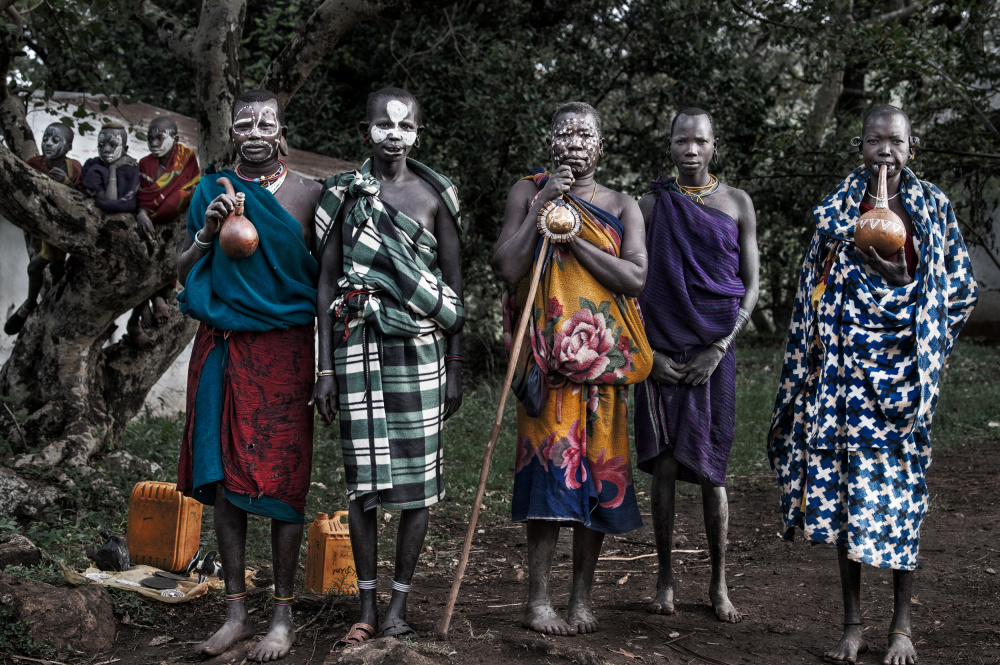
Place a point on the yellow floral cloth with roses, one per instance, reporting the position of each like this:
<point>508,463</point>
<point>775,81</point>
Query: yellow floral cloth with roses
<point>585,346</point>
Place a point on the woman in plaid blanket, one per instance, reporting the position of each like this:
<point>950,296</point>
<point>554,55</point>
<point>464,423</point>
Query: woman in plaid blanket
<point>391,313</point>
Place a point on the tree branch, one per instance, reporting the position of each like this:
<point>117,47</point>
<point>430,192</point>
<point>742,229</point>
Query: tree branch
<point>172,32</point>
<point>63,216</point>
<point>323,30</point>
<point>900,13</point>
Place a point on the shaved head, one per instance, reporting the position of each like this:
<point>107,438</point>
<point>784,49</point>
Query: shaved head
<point>577,107</point>
<point>377,100</point>
<point>884,111</point>
<point>165,123</point>
<point>691,112</point>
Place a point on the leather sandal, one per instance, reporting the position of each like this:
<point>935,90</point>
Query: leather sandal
<point>358,633</point>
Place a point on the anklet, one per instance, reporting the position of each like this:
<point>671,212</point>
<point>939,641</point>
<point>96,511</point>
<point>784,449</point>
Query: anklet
<point>899,632</point>
<point>282,601</point>
<point>230,597</point>
<point>368,584</point>
<point>400,587</point>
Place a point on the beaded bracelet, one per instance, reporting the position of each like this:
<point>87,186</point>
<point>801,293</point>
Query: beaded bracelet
<point>453,356</point>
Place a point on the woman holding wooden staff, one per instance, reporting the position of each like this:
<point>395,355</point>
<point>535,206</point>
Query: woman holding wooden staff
<point>585,344</point>
<point>884,291</point>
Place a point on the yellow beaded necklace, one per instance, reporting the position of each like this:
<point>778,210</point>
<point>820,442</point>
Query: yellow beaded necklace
<point>699,193</point>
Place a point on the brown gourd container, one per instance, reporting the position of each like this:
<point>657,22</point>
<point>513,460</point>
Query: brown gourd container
<point>880,228</point>
<point>238,236</point>
<point>164,526</point>
<point>329,558</point>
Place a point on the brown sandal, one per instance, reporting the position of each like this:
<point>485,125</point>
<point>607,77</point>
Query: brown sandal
<point>359,632</point>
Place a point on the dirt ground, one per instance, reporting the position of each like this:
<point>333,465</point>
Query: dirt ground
<point>788,592</point>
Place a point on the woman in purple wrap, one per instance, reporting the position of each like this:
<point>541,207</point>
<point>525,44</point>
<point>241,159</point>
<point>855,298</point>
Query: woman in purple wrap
<point>702,284</point>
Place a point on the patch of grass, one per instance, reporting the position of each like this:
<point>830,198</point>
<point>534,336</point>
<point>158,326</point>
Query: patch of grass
<point>15,637</point>
<point>970,398</point>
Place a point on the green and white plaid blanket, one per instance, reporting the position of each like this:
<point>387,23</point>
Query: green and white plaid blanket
<point>392,312</point>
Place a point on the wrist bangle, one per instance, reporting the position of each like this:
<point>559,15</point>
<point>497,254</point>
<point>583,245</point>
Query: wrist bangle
<point>110,179</point>
<point>199,243</point>
<point>326,372</point>
<point>453,356</point>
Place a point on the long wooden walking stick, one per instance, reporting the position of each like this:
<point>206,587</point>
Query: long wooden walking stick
<point>560,228</point>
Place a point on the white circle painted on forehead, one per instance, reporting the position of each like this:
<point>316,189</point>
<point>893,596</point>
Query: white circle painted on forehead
<point>396,109</point>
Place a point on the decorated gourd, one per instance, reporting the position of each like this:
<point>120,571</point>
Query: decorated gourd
<point>238,236</point>
<point>559,221</point>
<point>880,228</point>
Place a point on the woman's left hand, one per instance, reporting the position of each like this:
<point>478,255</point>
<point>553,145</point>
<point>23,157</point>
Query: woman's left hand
<point>893,272</point>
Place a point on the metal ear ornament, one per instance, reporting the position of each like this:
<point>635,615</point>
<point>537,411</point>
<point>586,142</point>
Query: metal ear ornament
<point>559,221</point>
<point>856,142</point>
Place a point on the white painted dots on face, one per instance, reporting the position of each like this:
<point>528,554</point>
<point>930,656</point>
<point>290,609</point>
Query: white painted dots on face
<point>575,140</point>
<point>396,128</point>
<point>260,130</point>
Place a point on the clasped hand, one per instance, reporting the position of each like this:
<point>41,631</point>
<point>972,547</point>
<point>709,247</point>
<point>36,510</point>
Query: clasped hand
<point>893,271</point>
<point>695,372</point>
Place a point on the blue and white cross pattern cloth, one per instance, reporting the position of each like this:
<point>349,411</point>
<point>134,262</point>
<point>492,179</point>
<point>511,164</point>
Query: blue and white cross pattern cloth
<point>850,434</point>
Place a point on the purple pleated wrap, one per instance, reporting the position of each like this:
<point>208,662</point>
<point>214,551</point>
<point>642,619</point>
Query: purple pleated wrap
<point>691,298</point>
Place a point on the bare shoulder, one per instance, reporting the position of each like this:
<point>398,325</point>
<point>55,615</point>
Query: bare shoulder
<point>522,189</point>
<point>736,195</point>
<point>734,202</point>
<point>646,204</point>
<point>623,203</point>
<point>307,187</point>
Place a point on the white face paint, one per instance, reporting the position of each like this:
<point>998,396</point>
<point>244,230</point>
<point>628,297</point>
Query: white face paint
<point>110,145</point>
<point>161,142</point>
<point>257,132</point>
<point>397,112</point>
<point>575,140</point>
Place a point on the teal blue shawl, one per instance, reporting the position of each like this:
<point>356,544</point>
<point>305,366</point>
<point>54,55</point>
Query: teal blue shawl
<point>275,287</point>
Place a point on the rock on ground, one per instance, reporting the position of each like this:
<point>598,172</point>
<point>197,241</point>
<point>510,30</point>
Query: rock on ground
<point>16,550</point>
<point>384,651</point>
<point>82,617</point>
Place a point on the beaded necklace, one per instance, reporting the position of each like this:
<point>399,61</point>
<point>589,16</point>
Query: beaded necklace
<point>267,180</point>
<point>697,194</point>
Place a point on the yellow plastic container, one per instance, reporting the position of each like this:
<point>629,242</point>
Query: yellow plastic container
<point>164,526</point>
<point>329,558</point>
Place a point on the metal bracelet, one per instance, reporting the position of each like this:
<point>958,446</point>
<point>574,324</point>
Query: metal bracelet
<point>326,372</point>
<point>199,243</point>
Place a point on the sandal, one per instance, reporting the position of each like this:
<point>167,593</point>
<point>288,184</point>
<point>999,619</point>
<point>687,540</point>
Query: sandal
<point>359,632</point>
<point>399,629</point>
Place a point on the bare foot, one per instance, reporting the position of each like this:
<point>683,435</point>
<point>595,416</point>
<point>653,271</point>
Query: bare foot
<point>279,639</point>
<point>581,618</point>
<point>852,643</point>
<point>901,650</point>
<point>233,631</point>
<point>543,619</point>
<point>135,335</point>
<point>724,609</point>
<point>664,601</point>
<point>161,312</point>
